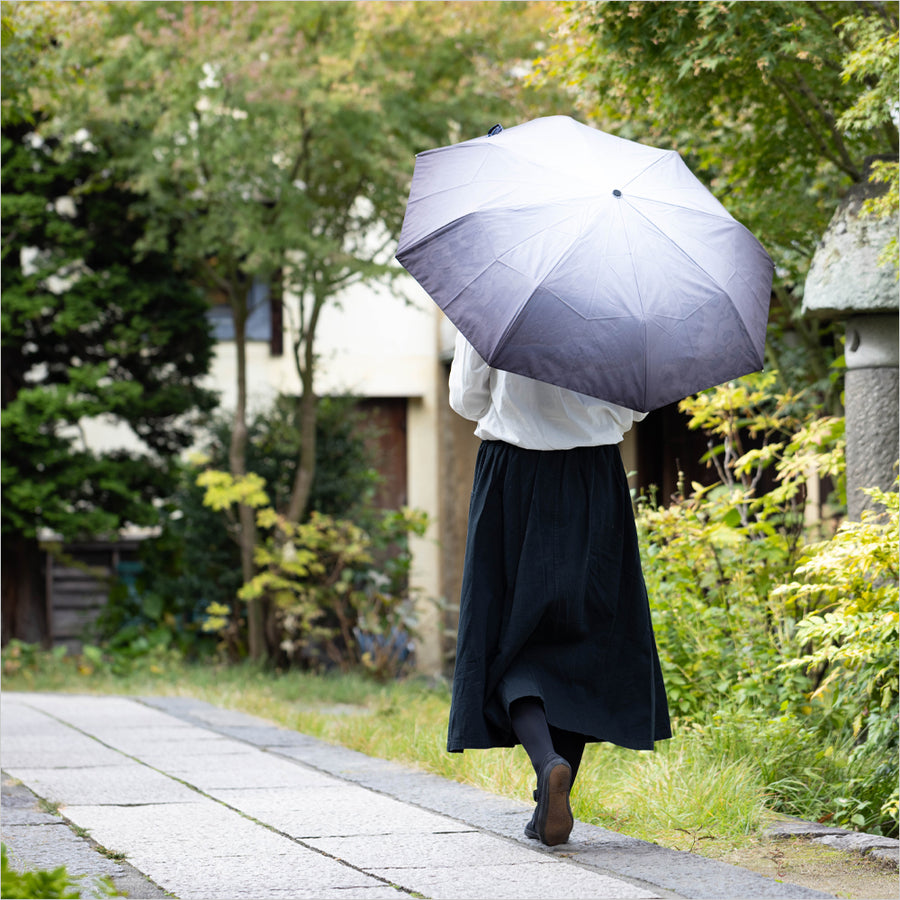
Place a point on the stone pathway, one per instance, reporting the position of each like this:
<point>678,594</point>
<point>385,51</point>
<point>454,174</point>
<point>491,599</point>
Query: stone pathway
<point>175,797</point>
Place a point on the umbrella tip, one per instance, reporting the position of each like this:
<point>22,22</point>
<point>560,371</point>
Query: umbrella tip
<point>495,130</point>
<point>617,193</point>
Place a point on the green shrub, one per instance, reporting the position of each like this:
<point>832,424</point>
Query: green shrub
<point>194,564</point>
<point>713,556</point>
<point>849,646</point>
<point>761,622</point>
<point>333,594</point>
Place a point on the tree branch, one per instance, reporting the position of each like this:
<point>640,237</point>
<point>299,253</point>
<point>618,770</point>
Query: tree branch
<point>829,118</point>
<point>841,159</point>
<point>831,23</point>
<point>213,279</point>
<point>880,10</point>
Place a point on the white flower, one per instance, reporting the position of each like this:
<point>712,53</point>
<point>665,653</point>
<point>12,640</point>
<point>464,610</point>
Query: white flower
<point>30,259</point>
<point>65,207</point>
<point>210,78</point>
<point>82,138</point>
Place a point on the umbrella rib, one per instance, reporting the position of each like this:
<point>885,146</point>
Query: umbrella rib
<point>690,259</point>
<point>511,325</point>
<point>666,154</point>
<point>640,297</point>
<point>516,184</point>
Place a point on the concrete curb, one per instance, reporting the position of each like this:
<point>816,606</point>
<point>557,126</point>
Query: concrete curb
<point>884,849</point>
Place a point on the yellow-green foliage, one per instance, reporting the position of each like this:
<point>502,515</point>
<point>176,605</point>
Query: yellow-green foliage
<point>756,617</point>
<point>850,644</point>
<point>330,591</point>
<point>874,64</point>
<point>714,554</point>
<point>223,490</point>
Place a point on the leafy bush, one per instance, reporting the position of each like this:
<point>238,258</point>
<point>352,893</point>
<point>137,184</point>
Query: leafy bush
<point>59,665</point>
<point>188,566</point>
<point>194,564</point>
<point>333,593</point>
<point>850,647</point>
<point>761,622</point>
<point>714,554</point>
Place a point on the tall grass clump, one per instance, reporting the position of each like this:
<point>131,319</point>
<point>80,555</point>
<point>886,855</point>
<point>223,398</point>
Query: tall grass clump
<point>686,786</point>
<point>680,788</point>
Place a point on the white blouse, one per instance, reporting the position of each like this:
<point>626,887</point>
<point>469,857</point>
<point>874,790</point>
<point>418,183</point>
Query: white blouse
<point>529,413</point>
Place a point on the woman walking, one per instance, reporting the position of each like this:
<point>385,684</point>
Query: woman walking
<point>555,646</point>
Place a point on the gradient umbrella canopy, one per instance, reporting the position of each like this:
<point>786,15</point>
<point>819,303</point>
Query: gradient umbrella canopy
<point>581,259</point>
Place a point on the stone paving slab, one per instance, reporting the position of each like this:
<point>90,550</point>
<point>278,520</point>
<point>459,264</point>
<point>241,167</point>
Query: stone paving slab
<point>298,868</point>
<point>126,783</point>
<point>90,712</point>
<point>53,843</point>
<point>442,850</point>
<point>250,769</point>
<point>379,892</point>
<point>135,739</point>
<point>430,865</point>
<point>202,828</point>
<point>27,722</point>
<point>267,812</point>
<point>531,882</point>
<point>165,755</point>
<point>45,842</point>
<point>334,811</point>
<point>64,748</point>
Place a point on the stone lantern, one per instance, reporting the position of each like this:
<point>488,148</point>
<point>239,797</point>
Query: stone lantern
<point>846,282</point>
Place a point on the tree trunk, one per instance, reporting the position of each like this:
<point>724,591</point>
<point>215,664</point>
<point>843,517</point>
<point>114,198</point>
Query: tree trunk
<point>306,463</point>
<point>24,586</point>
<point>237,459</point>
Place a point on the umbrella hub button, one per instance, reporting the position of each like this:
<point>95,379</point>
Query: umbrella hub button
<point>617,193</point>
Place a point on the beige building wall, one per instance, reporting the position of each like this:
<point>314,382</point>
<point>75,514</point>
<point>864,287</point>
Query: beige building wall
<point>380,344</point>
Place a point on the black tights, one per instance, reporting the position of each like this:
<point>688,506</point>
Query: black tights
<point>526,714</point>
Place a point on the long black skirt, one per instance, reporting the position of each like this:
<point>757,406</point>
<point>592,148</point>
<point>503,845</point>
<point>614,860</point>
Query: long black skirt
<point>553,602</point>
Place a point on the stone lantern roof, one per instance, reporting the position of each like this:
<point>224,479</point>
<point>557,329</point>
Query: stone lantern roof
<point>845,278</point>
